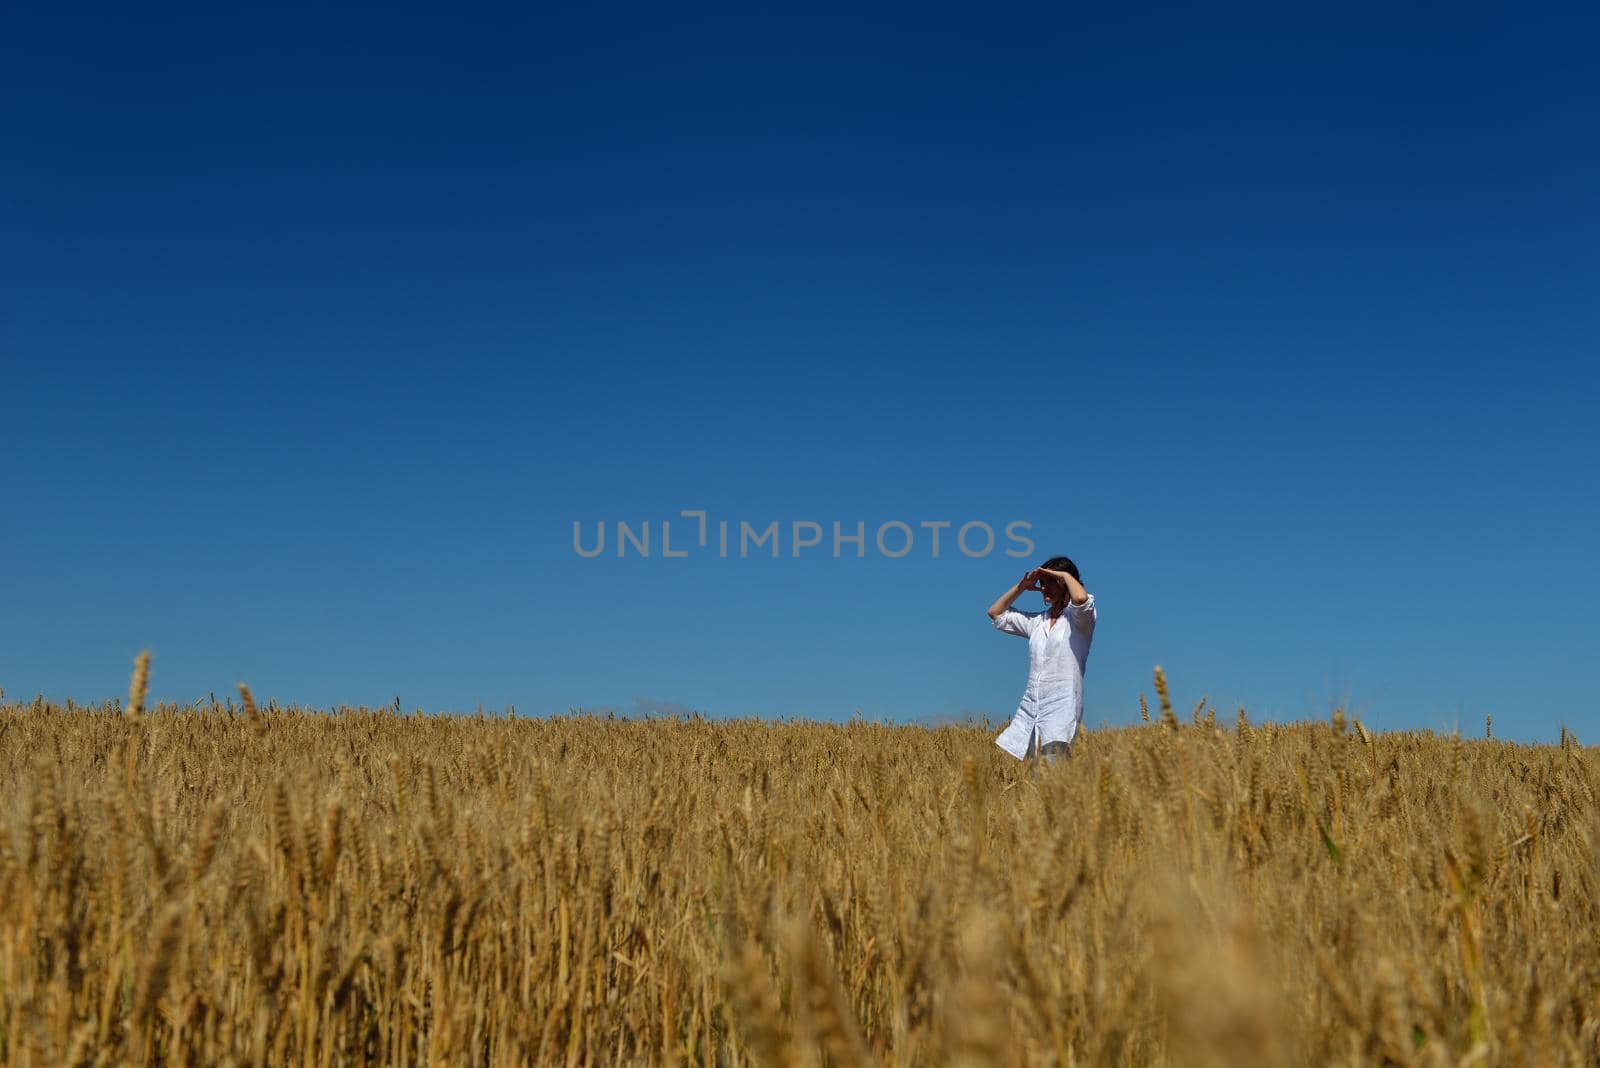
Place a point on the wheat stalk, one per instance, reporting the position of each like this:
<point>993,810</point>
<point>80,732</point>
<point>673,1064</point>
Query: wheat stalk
<point>253,716</point>
<point>139,685</point>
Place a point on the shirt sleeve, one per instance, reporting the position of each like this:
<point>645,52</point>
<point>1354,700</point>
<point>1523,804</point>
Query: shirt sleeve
<point>1012,621</point>
<point>1083,615</point>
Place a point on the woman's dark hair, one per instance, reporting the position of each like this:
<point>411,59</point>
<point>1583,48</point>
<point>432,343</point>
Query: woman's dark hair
<point>1061,563</point>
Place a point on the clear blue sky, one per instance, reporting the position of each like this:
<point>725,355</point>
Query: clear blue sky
<point>321,328</point>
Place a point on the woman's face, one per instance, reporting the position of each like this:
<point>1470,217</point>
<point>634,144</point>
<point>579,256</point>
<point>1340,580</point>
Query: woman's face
<point>1052,588</point>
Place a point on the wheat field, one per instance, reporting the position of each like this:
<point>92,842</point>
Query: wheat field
<point>224,884</point>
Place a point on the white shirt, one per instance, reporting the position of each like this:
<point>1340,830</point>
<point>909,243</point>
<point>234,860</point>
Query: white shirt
<point>1058,652</point>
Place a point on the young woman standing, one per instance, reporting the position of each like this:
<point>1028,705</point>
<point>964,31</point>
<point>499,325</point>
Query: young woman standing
<point>1051,709</point>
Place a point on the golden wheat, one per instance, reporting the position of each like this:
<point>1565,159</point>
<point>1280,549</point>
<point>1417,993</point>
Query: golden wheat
<point>193,886</point>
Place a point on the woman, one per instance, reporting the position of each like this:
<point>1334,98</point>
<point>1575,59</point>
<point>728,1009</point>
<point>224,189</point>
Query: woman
<point>1058,651</point>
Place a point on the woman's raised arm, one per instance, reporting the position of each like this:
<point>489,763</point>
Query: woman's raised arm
<point>1029,581</point>
<point>1075,588</point>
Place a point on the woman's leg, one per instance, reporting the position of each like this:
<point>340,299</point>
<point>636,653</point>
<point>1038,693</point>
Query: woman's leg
<point>1052,752</point>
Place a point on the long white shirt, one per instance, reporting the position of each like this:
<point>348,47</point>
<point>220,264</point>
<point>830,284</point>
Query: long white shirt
<point>1058,652</point>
